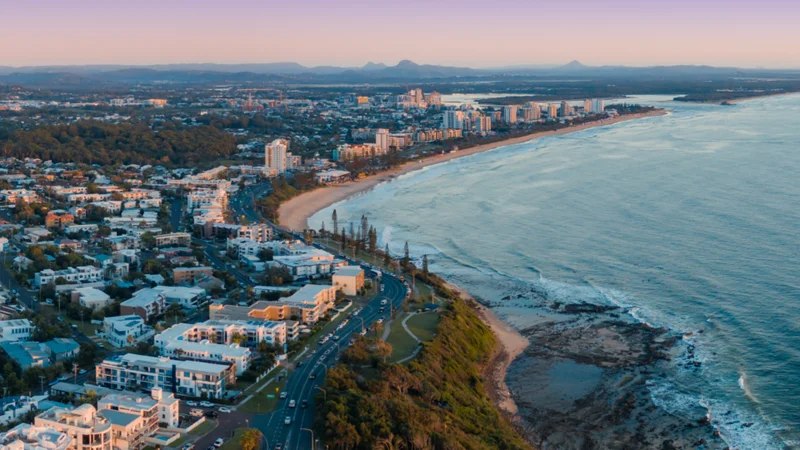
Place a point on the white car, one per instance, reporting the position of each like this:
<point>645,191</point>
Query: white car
<point>284,394</point>
<point>292,403</point>
<point>191,403</point>
<point>206,404</point>
<point>287,420</point>
<point>224,409</point>
<point>218,443</point>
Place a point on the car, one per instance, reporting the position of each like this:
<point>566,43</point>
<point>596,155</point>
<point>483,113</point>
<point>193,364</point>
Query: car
<point>218,443</point>
<point>211,447</point>
<point>206,404</point>
<point>284,394</point>
<point>278,447</point>
<point>287,420</point>
<point>292,403</point>
<point>188,446</point>
<point>82,371</point>
<point>304,404</point>
<point>312,376</point>
<point>224,409</point>
<point>212,414</point>
<point>63,378</point>
<point>191,403</point>
<point>196,413</point>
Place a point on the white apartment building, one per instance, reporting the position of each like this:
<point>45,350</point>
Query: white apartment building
<point>85,228</point>
<point>205,351</point>
<point>73,275</point>
<point>31,437</point>
<point>187,297</point>
<point>189,378</point>
<point>90,297</point>
<point>145,303</point>
<point>87,197</point>
<point>89,430</point>
<point>348,279</point>
<point>308,305</point>
<point>311,262</point>
<point>173,240</point>
<point>242,247</point>
<point>225,331</point>
<point>347,152</point>
<point>382,139</point>
<point>453,119</point>
<point>126,331</point>
<point>158,407</point>
<point>16,330</point>
<point>206,198</point>
<point>275,155</point>
<point>259,232</point>
<point>598,105</point>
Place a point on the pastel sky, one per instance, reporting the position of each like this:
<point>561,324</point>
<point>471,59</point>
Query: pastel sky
<point>475,33</point>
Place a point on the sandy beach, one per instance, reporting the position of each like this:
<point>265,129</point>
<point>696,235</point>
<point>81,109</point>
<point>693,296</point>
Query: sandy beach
<point>294,214</point>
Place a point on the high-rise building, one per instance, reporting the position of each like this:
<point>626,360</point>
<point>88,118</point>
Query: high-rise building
<point>510,114</point>
<point>587,106</point>
<point>453,119</point>
<point>598,105</point>
<point>275,155</point>
<point>531,114</point>
<point>565,110</point>
<point>552,110</point>
<point>483,124</point>
<point>382,139</point>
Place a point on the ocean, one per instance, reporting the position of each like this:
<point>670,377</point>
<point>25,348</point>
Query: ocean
<point>689,221</point>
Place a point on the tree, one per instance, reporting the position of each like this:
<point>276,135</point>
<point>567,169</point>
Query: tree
<point>335,219</point>
<point>425,264</point>
<point>387,257</point>
<point>265,254</point>
<point>322,231</point>
<point>406,256</point>
<point>239,338</point>
<point>251,439</point>
<point>148,239</point>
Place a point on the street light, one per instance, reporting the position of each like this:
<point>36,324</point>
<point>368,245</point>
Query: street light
<point>324,392</point>
<point>312,436</point>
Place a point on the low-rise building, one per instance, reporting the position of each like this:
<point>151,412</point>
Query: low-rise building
<point>187,297</point>
<point>15,330</point>
<point>158,407</point>
<point>90,297</point>
<point>89,430</point>
<point>173,240</point>
<point>189,378</point>
<point>145,303</point>
<point>349,279</point>
<point>307,305</point>
<point>73,275</point>
<point>31,437</point>
<point>126,331</point>
<point>190,274</point>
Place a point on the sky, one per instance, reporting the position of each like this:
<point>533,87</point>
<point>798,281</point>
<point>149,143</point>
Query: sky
<point>473,33</point>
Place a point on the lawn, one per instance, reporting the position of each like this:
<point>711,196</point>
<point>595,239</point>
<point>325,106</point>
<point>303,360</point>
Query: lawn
<point>402,343</point>
<point>424,325</point>
<point>261,402</point>
<point>234,442</point>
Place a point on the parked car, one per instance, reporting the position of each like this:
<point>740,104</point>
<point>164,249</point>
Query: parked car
<point>82,371</point>
<point>287,420</point>
<point>224,409</point>
<point>196,413</point>
<point>212,414</point>
<point>206,404</point>
<point>191,403</point>
<point>188,446</point>
<point>218,443</point>
<point>284,394</point>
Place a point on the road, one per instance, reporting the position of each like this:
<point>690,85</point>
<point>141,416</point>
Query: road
<point>300,387</point>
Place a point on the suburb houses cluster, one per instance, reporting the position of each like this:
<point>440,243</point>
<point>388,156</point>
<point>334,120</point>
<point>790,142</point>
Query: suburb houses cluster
<point>132,288</point>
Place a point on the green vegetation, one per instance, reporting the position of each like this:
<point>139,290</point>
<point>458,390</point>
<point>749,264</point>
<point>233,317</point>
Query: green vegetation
<point>91,142</point>
<point>436,401</point>
<point>244,439</point>
<point>423,325</point>
<point>281,192</point>
<point>402,343</point>
<point>198,431</point>
<point>261,402</point>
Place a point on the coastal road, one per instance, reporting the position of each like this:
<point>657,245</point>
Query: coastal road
<point>301,387</point>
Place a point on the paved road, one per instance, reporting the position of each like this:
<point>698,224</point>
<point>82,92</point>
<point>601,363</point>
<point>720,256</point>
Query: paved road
<point>300,387</point>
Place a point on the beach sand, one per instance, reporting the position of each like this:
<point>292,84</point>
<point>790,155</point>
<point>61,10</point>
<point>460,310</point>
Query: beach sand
<point>294,214</point>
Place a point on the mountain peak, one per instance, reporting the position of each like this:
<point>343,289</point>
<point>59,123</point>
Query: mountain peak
<point>407,63</point>
<point>573,65</point>
<point>373,66</point>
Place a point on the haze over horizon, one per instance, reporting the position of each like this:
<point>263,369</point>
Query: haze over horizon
<point>466,33</point>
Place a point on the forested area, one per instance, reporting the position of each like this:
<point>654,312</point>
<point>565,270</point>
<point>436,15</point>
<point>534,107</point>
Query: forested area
<point>92,142</point>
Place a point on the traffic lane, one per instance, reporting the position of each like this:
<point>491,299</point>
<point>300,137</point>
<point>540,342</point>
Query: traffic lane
<point>227,423</point>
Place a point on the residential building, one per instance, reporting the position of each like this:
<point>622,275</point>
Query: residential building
<point>346,152</point>
<point>453,119</point>
<point>31,437</point>
<point>552,111</point>
<point>89,430</point>
<point>349,279</point>
<point>145,303</point>
<point>598,105</point>
<point>190,274</point>
<point>90,297</point>
<point>73,275</point>
<point>259,232</point>
<point>173,240</point>
<point>275,155</point>
<point>189,378</point>
<point>186,297</point>
<point>483,124</point>
<point>382,139</point>
<point>126,331</point>
<point>227,332</point>
<point>510,114</point>
<point>158,407</point>
<point>307,305</point>
<point>58,219</point>
<point>16,330</point>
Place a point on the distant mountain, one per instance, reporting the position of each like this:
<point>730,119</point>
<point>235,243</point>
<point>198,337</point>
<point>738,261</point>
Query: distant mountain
<point>370,66</point>
<point>572,66</point>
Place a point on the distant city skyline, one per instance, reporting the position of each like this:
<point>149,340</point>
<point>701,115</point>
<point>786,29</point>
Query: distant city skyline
<point>465,33</point>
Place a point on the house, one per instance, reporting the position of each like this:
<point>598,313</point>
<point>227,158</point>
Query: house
<point>90,297</point>
<point>189,378</point>
<point>15,330</point>
<point>145,303</point>
<point>126,331</point>
<point>349,279</point>
<point>63,349</point>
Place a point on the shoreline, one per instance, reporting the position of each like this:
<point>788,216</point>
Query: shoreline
<point>757,97</point>
<point>294,213</point>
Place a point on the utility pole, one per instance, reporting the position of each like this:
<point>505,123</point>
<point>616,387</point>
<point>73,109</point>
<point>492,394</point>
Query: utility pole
<point>324,392</point>
<point>75,369</point>
<point>41,382</point>
<point>312,436</point>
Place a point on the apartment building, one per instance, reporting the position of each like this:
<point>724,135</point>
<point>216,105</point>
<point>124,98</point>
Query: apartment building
<point>307,305</point>
<point>58,219</point>
<point>190,274</point>
<point>31,437</point>
<point>259,232</point>
<point>73,275</point>
<point>173,240</point>
<point>226,332</point>
<point>145,303</point>
<point>187,297</point>
<point>348,279</point>
<point>127,330</point>
<point>90,297</point>
<point>158,407</point>
<point>189,378</point>
<point>88,430</point>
